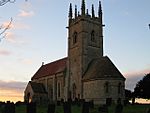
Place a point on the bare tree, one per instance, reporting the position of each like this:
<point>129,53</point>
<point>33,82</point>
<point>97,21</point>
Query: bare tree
<point>4,28</point>
<point>3,2</point>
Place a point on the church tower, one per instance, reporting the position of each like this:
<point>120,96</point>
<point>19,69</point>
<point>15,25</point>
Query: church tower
<point>85,42</point>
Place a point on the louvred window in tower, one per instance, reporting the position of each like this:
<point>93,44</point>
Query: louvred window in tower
<point>75,36</point>
<point>93,36</point>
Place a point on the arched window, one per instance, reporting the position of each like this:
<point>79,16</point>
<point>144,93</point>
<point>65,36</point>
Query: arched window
<point>75,36</point>
<point>50,92</point>
<point>119,88</point>
<point>93,36</point>
<point>58,89</point>
<point>106,86</point>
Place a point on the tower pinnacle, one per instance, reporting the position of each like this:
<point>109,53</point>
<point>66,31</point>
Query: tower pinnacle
<point>75,11</point>
<point>83,7</point>
<point>100,9</point>
<point>70,11</point>
<point>93,13</point>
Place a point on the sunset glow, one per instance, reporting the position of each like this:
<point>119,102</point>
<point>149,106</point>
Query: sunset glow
<point>38,34</point>
<point>10,95</point>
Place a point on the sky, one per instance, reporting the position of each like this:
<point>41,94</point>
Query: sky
<point>38,34</point>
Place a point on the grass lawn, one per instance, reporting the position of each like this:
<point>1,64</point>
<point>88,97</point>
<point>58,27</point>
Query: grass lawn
<point>76,109</point>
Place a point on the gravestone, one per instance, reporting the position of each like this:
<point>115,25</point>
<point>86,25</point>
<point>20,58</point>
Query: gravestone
<point>85,107</point>
<point>51,108</point>
<point>103,109</point>
<point>67,107</point>
<point>31,107</point>
<point>119,108</point>
<point>91,104</point>
<point>9,107</point>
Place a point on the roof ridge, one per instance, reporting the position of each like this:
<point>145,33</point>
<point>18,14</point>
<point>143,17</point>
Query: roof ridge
<point>56,61</point>
<point>51,68</point>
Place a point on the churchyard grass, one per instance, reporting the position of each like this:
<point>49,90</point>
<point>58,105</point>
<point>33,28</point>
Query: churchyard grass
<point>76,109</point>
<point>131,108</point>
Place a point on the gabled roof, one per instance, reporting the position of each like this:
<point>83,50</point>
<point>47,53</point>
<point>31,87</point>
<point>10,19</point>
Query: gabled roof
<point>101,68</point>
<point>51,68</point>
<point>37,87</point>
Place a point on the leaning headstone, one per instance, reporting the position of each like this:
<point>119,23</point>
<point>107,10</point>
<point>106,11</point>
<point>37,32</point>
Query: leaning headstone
<point>85,107</point>
<point>67,107</point>
<point>31,107</point>
<point>51,108</point>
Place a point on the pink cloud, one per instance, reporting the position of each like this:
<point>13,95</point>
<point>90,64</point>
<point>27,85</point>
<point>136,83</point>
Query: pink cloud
<point>133,77</point>
<point>15,25</point>
<point>12,90</point>
<point>5,24</point>
<point>10,37</point>
<point>13,38</point>
<point>24,13</point>
<point>26,10</point>
<point>26,61</point>
<point>12,85</point>
<point>4,52</point>
<point>137,73</point>
<point>18,25</point>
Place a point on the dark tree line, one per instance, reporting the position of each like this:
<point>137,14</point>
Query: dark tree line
<point>142,89</point>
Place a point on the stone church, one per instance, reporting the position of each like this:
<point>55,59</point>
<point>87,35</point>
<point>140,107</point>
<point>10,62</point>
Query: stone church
<point>85,73</point>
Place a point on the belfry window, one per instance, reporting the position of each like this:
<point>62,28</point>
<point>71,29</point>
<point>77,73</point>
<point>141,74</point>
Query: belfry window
<point>93,36</point>
<point>75,36</point>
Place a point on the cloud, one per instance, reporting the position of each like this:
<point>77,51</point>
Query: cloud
<point>19,25</point>
<point>24,13</point>
<point>10,34</point>
<point>26,6</point>
<point>4,52</point>
<point>26,10</point>
<point>138,73</point>
<point>10,37</point>
<point>12,90</point>
<point>133,77</point>
<point>6,24</point>
<point>12,85</point>
<point>26,61</point>
<point>13,38</point>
